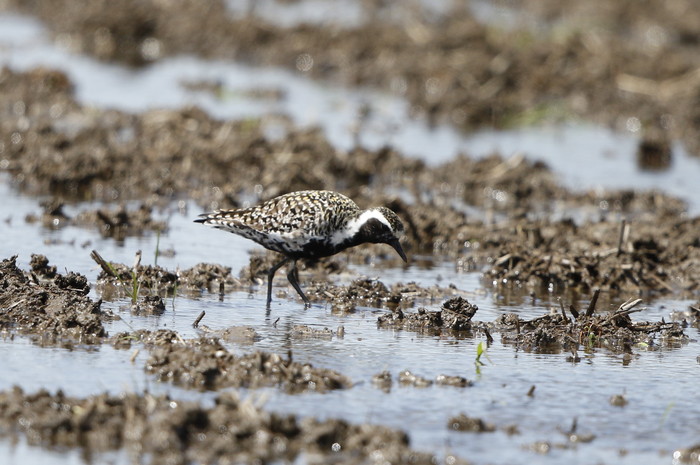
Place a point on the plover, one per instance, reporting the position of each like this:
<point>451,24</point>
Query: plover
<point>308,224</point>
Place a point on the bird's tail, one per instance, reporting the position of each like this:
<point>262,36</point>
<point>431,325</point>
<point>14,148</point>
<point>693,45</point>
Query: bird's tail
<point>205,218</point>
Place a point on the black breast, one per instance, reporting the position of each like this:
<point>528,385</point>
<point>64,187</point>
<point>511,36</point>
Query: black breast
<point>317,248</point>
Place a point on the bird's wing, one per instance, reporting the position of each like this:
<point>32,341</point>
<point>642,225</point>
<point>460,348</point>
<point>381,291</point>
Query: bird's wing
<point>304,213</point>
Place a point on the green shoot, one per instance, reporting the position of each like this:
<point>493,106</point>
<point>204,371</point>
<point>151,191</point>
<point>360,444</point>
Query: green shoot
<point>667,412</point>
<point>480,350</point>
<point>135,287</point>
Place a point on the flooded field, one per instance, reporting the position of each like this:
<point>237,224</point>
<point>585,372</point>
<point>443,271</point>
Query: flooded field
<point>548,311</point>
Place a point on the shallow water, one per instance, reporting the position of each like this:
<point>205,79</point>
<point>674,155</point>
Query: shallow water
<point>657,383</point>
<point>662,413</point>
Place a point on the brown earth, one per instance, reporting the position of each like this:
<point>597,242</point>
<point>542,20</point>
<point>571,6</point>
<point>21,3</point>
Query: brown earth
<point>163,430</point>
<point>206,364</point>
<point>117,224</point>
<point>50,307</point>
<point>659,253</point>
<point>573,60</point>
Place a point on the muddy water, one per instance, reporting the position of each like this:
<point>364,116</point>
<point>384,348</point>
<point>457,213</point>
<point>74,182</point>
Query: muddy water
<point>657,383</point>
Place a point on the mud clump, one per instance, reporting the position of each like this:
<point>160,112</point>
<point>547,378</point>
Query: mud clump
<point>456,315</point>
<point>554,333</point>
<point>689,455</point>
<point>636,256</point>
<point>384,380</point>
<point>51,310</point>
<point>361,291</point>
<point>40,266</point>
<point>164,430</point>
<point>206,364</point>
<point>408,378</point>
<point>153,280</point>
<point>465,423</point>
<point>149,305</point>
<point>371,293</point>
<point>117,223</point>
<point>307,332</point>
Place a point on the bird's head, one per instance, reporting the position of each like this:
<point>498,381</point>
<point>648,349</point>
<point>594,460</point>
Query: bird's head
<point>380,225</point>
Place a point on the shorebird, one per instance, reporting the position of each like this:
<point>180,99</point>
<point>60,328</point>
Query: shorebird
<point>308,224</point>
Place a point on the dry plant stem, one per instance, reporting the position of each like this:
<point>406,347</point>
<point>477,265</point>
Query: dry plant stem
<point>198,319</point>
<point>624,233</point>
<point>103,263</point>
<point>591,306</point>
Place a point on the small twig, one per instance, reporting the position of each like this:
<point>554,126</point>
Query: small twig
<point>624,232</point>
<point>662,282</point>
<point>199,318</point>
<point>563,311</point>
<point>531,391</point>
<point>137,260</point>
<point>591,305</point>
<point>574,312</point>
<point>625,309</point>
<point>19,302</point>
<point>103,264</point>
<point>489,338</point>
<point>501,260</point>
<point>629,304</point>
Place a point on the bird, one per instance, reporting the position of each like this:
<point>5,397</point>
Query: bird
<point>308,224</point>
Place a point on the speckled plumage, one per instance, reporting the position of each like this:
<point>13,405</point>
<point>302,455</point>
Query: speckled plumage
<point>309,224</point>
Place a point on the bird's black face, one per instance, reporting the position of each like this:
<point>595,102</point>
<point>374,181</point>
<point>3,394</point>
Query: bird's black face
<point>377,232</point>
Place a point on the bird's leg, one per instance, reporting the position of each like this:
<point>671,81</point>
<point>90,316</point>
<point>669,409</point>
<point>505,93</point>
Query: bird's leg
<point>293,278</point>
<point>270,275</point>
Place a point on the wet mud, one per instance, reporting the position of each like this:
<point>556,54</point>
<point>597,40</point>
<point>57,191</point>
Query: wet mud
<point>658,251</point>
<point>614,331</point>
<point>565,331</point>
<point>119,280</point>
<point>205,364</point>
<point>116,223</point>
<point>385,380</point>
<point>502,216</point>
<point>464,423</point>
<point>454,316</point>
<point>163,430</point>
<point>450,67</point>
<point>53,309</point>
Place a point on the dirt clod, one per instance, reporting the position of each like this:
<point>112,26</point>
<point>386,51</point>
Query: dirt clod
<point>52,311</point>
<point>468,424</point>
<point>456,315</point>
<point>206,364</point>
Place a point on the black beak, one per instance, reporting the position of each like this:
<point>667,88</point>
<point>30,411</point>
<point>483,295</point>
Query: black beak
<point>395,244</point>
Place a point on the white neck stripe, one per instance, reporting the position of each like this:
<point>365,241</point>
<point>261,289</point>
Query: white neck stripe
<point>353,226</point>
